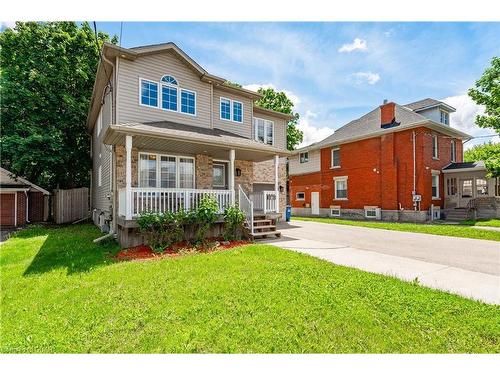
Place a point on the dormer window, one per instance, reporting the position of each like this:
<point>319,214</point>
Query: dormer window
<point>445,118</point>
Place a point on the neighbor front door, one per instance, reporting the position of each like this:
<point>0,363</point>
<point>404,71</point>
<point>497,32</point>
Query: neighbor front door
<point>315,203</point>
<point>466,191</point>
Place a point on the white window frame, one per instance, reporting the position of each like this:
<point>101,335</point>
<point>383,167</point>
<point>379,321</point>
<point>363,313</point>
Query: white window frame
<point>231,110</point>
<point>158,169</point>
<point>338,179</point>
<point>266,124</point>
<point>374,209</point>
<point>305,159</point>
<point>224,167</point>
<point>435,146</point>
<point>158,104</point>
<point>331,157</point>
<point>335,208</point>
<point>445,115</point>
<point>159,93</point>
<point>297,196</point>
<point>433,176</point>
<point>99,176</point>
<point>453,146</point>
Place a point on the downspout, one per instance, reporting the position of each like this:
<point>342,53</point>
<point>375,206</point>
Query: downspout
<point>414,171</point>
<point>27,218</point>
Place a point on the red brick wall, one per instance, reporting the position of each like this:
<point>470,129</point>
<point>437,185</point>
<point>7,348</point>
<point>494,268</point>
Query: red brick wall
<point>380,172</point>
<point>21,208</point>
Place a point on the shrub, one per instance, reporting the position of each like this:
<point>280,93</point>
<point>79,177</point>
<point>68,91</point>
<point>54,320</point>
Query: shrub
<point>206,215</point>
<point>233,223</point>
<point>161,229</point>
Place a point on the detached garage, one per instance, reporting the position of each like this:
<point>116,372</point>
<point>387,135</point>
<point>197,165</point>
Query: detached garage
<point>21,201</point>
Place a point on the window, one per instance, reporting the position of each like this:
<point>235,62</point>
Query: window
<point>335,211</point>
<point>264,131</point>
<point>166,171</point>
<point>188,100</point>
<point>169,98</point>
<point>435,186</point>
<point>372,212</point>
<point>231,110</point>
<point>149,93</point>
<point>169,79</point>
<point>99,178</point>
<point>467,188</point>
<point>481,187</point>
<point>237,111</point>
<point>445,118</point>
<point>147,170</point>
<point>300,196</point>
<point>304,157</point>
<point>340,187</point>
<point>435,146</point>
<point>219,175</point>
<point>453,155</point>
<point>451,186</point>
<point>336,157</point>
<point>225,109</point>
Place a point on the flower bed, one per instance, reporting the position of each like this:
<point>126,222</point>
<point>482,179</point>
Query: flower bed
<point>144,252</point>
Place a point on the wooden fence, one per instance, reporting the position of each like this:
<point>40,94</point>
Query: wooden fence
<point>70,205</point>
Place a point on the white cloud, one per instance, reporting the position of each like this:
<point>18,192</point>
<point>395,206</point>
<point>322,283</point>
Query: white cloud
<point>312,133</point>
<point>7,25</point>
<point>255,86</point>
<point>367,77</point>
<point>357,44</point>
<point>464,119</point>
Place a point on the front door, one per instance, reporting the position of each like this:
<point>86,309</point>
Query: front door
<point>315,203</point>
<point>466,191</point>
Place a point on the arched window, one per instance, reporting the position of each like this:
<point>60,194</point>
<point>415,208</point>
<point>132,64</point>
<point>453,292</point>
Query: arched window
<point>169,79</point>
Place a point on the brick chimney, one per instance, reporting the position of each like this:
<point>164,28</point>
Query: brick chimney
<point>388,115</point>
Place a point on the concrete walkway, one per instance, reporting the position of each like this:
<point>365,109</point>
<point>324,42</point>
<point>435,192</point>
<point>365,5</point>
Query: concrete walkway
<point>467,267</point>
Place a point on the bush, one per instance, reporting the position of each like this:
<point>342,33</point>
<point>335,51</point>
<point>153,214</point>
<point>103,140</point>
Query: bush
<point>233,223</point>
<point>206,215</point>
<point>161,229</point>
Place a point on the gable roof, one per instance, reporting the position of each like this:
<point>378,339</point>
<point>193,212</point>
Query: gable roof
<point>420,105</point>
<point>368,126</point>
<point>15,182</point>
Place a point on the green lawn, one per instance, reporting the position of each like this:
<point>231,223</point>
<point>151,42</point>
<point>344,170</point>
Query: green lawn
<point>439,229</point>
<point>62,293</point>
<point>483,223</point>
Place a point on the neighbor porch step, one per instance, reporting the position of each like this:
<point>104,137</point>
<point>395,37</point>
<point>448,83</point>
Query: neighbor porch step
<point>262,221</point>
<point>263,226</point>
<point>276,233</point>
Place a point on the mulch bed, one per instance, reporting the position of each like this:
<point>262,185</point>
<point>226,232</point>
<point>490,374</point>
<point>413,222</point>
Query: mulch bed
<point>144,252</point>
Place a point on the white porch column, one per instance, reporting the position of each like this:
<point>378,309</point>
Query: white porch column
<point>231,175</point>
<point>128,177</point>
<point>276,181</point>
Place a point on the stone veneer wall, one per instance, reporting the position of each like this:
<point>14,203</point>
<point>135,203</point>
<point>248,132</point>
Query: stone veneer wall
<point>246,178</point>
<point>203,170</point>
<point>263,172</point>
<point>121,160</point>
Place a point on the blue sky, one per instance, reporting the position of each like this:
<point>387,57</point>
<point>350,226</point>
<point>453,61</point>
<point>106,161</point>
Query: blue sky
<point>336,72</point>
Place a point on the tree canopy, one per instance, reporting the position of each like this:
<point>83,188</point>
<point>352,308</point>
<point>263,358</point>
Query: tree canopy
<point>489,153</point>
<point>279,102</point>
<point>46,79</point>
<point>487,93</point>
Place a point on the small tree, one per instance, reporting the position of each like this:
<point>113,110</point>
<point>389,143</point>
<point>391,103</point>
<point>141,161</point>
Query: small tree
<point>233,223</point>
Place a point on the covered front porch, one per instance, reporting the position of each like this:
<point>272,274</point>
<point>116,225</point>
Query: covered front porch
<point>170,167</point>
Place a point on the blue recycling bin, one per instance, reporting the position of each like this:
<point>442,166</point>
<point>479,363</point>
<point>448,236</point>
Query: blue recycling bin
<point>288,213</point>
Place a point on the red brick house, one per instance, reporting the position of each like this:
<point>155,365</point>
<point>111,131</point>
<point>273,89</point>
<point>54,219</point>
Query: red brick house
<point>384,165</point>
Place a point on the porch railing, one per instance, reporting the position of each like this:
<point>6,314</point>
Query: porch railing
<point>265,201</point>
<point>246,205</point>
<point>161,200</point>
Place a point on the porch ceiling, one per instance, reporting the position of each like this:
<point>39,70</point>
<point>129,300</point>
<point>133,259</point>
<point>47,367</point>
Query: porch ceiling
<point>183,139</point>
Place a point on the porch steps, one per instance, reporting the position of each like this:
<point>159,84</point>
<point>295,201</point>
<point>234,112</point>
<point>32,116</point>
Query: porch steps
<point>263,227</point>
<point>457,214</point>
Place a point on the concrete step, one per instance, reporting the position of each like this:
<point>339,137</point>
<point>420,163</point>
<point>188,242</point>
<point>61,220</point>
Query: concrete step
<point>263,226</point>
<point>264,234</point>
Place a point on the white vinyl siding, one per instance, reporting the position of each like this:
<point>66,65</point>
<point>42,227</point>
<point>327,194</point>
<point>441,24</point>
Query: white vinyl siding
<point>313,165</point>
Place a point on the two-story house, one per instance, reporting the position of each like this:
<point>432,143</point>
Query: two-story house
<point>388,164</point>
<point>166,133</point>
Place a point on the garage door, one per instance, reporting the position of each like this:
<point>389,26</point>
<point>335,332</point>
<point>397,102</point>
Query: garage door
<point>7,209</point>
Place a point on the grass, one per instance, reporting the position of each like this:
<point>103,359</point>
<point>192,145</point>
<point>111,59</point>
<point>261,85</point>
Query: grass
<point>62,293</point>
<point>482,223</point>
<point>439,229</point>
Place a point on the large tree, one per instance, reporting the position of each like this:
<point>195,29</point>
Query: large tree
<point>487,93</point>
<point>278,101</point>
<point>46,79</point>
<point>489,153</point>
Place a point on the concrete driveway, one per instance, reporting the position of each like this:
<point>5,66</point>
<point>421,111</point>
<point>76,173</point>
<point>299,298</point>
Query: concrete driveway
<point>463,266</point>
